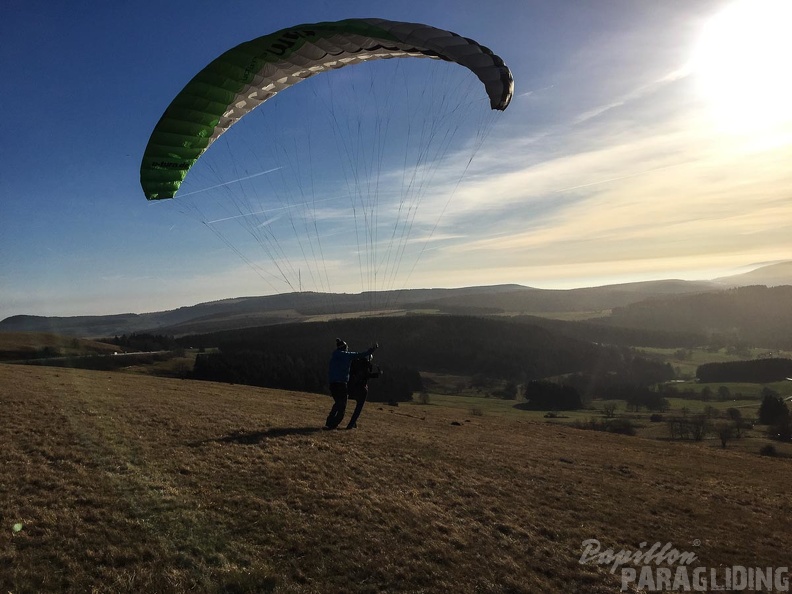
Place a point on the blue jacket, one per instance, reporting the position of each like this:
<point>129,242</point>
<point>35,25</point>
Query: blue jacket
<point>339,364</point>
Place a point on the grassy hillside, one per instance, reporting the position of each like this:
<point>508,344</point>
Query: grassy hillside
<point>26,345</point>
<point>125,483</point>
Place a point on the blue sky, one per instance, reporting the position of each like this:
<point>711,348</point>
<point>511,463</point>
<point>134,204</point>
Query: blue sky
<point>643,142</point>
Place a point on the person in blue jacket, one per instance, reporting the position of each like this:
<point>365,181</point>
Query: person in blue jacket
<point>338,376</point>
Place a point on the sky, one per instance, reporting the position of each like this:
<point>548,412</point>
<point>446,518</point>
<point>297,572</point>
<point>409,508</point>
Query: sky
<point>645,140</point>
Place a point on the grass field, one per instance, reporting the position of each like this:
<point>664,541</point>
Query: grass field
<point>686,367</point>
<point>113,482</point>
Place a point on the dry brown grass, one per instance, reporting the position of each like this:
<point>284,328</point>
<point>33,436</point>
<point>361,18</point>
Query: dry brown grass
<point>126,483</point>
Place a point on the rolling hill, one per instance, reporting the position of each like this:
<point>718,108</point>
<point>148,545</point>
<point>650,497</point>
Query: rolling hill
<point>770,275</point>
<point>249,312</point>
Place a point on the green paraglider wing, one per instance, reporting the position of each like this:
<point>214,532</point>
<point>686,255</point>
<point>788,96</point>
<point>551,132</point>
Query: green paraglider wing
<point>244,77</point>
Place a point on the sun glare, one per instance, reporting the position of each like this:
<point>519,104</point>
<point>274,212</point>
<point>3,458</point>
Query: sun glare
<point>743,64</point>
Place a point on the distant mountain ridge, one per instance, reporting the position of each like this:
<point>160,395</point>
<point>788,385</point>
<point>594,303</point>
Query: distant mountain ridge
<point>226,314</point>
<point>771,275</point>
<point>246,312</point>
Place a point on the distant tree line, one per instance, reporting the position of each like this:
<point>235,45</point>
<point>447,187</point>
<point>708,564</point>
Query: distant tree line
<point>694,427</point>
<point>603,331</point>
<point>760,371</point>
<point>259,368</point>
<point>622,374</point>
<point>775,413</point>
<point>145,342</point>
<point>621,426</point>
<point>637,397</point>
<point>705,394</point>
<point>544,395</point>
<point>462,345</point>
<point>725,425</point>
<point>490,351</point>
<point>101,362</point>
<point>281,370</point>
<point>730,424</point>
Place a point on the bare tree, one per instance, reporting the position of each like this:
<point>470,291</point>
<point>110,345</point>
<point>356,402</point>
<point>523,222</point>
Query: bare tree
<point>725,431</point>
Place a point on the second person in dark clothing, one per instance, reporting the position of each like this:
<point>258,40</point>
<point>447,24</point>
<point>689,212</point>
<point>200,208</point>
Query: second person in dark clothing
<point>360,372</point>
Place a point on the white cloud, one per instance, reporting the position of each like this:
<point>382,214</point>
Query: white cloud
<point>653,195</point>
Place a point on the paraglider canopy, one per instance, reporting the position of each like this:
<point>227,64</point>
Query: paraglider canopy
<point>246,76</point>
<point>378,138</point>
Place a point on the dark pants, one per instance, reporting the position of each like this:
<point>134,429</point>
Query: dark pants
<point>360,395</point>
<point>338,390</point>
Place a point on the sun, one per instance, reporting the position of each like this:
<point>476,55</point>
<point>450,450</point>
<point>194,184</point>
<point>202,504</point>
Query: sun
<point>743,65</point>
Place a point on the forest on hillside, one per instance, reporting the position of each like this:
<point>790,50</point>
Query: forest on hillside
<point>295,356</point>
<point>754,316</point>
<point>759,371</point>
